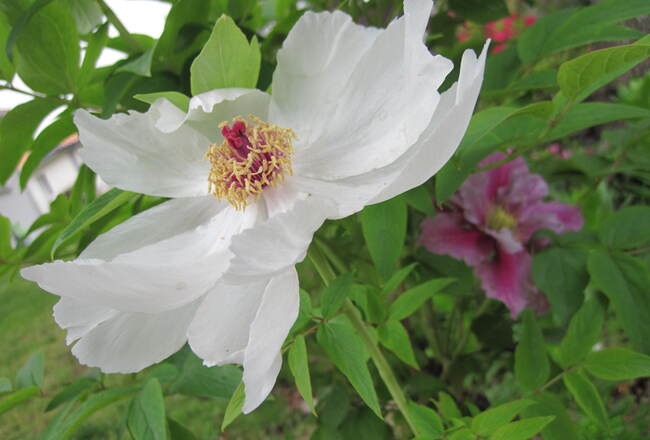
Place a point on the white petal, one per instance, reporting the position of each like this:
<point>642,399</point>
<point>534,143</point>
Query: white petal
<point>207,110</point>
<point>78,317</point>
<point>219,332</point>
<point>128,342</point>
<point>273,245</point>
<point>275,316</point>
<point>159,276</point>
<point>314,65</point>
<point>129,152</point>
<point>447,128</point>
<point>385,105</point>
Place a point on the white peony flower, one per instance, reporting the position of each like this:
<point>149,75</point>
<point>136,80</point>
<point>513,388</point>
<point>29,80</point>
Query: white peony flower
<point>354,119</point>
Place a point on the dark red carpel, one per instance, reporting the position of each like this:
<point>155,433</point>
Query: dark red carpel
<point>236,135</point>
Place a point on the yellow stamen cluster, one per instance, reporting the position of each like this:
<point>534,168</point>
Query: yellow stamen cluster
<point>240,174</point>
<point>498,218</point>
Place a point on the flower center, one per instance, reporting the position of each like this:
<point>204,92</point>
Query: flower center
<point>252,156</point>
<point>498,218</point>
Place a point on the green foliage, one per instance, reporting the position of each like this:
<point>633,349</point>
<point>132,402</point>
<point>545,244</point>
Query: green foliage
<point>100,207</point>
<point>226,60</point>
<point>146,417</point>
<point>16,130</point>
<point>584,332</point>
<point>390,306</point>
<point>335,294</point>
<point>489,422</point>
<point>531,362</point>
<point>347,351</point>
<point>235,405</point>
<point>618,364</point>
<point>384,228</point>
<point>409,301</point>
<point>47,48</point>
<point>561,273</point>
<point>587,397</point>
<point>624,280</point>
<point>299,365</point>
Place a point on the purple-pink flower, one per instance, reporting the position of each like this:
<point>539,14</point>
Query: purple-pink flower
<point>489,225</point>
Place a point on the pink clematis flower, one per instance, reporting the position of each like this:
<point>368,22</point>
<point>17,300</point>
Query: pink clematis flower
<point>490,224</point>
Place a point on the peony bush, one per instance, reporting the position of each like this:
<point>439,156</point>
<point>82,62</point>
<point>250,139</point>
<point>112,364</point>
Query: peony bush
<point>329,220</point>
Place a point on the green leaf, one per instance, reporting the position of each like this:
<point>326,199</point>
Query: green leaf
<point>427,422</point>
<point>625,281</point>
<point>227,60</point>
<point>583,75</point>
<point>17,397</point>
<point>384,229</point>
<point>178,99</point>
<point>627,228</point>
<point>96,43</point>
<point>618,364</point>
<point>562,427</point>
<point>47,55</point>
<point>335,294</point>
<point>7,69</point>
<point>540,79</point>
<point>5,238</point>
<point>5,385</point>
<point>587,397</point>
<point>489,421</point>
<point>521,430</point>
<point>184,34</point>
<point>589,114</point>
<point>487,130</point>
<point>447,407</point>
<point>570,28</point>
<point>420,199</point>
<point>235,405</point>
<point>397,278</point>
<point>347,351</point>
<point>146,417</point>
<point>97,209</point>
<point>62,428</point>
<point>299,366</point>
<point>530,44</point>
<point>139,64</point>
<point>394,336</point>
<point>72,391</point>
<point>461,434</point>
<point>531,363</point>
<point>584,332</point>
<point>16,130</point>
<point>87,14</point>
<point>178,431</point>
<point>602,13</point>
<point>45,142</point>
<point>561,273</point>
<point>480,11</point>
<point>409,301</point>
<point>195,379</point>
<point>31,374</point>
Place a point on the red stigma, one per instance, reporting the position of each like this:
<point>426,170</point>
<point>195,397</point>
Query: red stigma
<point>236,136</point>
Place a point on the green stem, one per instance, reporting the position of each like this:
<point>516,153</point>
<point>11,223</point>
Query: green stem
<point>385,371</point>
<point>115,21</point>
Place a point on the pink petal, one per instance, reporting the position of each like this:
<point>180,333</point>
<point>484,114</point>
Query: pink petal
<point>525,188</point>
<point>511,186</point>
<point>507,279</point>
<point>445,234</point>
<point>556,216</point>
